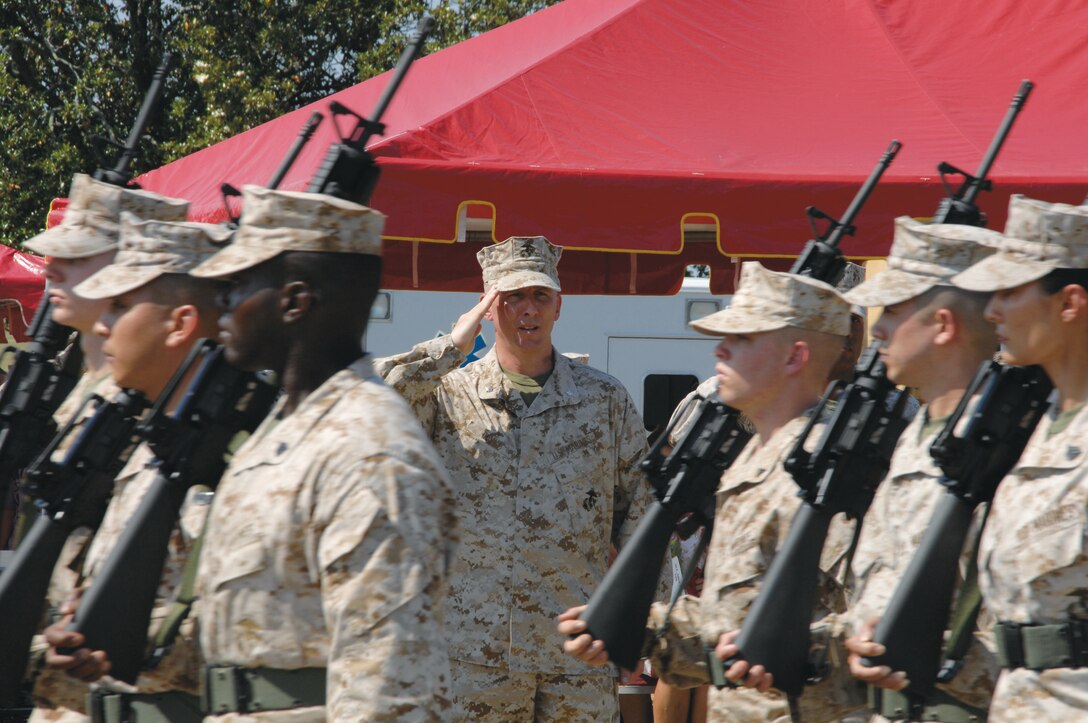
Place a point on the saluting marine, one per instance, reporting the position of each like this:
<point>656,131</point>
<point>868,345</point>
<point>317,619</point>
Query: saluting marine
<point>544,453</point>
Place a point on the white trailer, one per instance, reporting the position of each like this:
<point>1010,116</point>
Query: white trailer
<point>644,341</point>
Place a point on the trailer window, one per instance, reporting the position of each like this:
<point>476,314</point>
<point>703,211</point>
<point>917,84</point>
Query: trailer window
<point>660,395</point>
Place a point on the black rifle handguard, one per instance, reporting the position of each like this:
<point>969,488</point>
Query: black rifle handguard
<point>684,481</point>
<point>72,493</point>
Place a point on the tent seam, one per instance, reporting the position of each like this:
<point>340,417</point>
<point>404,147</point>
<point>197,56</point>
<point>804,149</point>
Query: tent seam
<point>914,76</point>
<point>520,76</point>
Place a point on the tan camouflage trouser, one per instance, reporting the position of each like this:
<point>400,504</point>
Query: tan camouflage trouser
<point>494,695</point>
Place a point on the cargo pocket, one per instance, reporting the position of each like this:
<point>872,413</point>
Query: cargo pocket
<point>239,562</point>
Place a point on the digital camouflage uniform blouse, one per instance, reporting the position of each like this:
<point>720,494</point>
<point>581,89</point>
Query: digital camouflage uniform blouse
<point>328,547</point>
<point>1033,566</point>
<point>544,491</point>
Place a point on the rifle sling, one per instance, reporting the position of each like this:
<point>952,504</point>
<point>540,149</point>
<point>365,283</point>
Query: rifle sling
<point>179,610</point>
<point>965,614</point>
<point>689,570</point>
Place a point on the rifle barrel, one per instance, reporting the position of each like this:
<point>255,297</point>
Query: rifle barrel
<point>1015,107</point>
<point>303,138</point>
<point>120,173</point>
<point>866,190</point>
<point>407,57</point>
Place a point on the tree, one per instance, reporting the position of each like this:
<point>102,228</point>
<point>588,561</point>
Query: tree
<point>75,71</point>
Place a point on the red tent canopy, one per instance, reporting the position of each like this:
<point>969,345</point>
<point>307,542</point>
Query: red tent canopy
<point>644,135</point>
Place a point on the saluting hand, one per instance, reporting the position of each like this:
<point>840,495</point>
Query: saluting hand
<point>580,644</point>
<point>862,646</point>
<point>82,663</point>
<point>469,325</point>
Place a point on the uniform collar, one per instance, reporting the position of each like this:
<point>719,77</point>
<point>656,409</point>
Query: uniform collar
<point>561,389</point>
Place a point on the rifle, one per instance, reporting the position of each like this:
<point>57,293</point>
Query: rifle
<point>684,480</point>
<point>72,493</point>
<point>191,444</point>
<point>959,206</point>
<point>841,475</point>
<point>34,390</point>
<point>1012,401</point>
<point>348,171</point>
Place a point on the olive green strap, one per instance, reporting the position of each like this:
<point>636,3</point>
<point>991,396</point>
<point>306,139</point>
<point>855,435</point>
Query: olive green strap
<point>233,689</point>
<point>179,610</point>
<point>168,707</point>
<point>965,614</point>
<point>940,706</point>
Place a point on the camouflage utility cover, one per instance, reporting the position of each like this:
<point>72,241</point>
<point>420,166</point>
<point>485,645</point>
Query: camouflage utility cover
<point>922,256</point>
<point>1039,237</point>
<point>92,220</point>
<point>274,221</point>
<point>329,546</point>
<point>769,300</point>
<point>150,249</point>
<point>520,262</point>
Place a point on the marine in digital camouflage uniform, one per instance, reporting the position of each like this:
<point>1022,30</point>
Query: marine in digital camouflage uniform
<point>543,450</point>
<point>155,313</point>
<point>1033,555</point>
<point>782,334</point>
<point>84,242</point>
<point>328,550</point>
<point>934,339</point>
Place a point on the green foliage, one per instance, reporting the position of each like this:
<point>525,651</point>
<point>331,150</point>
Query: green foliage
<point>74,71</point>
